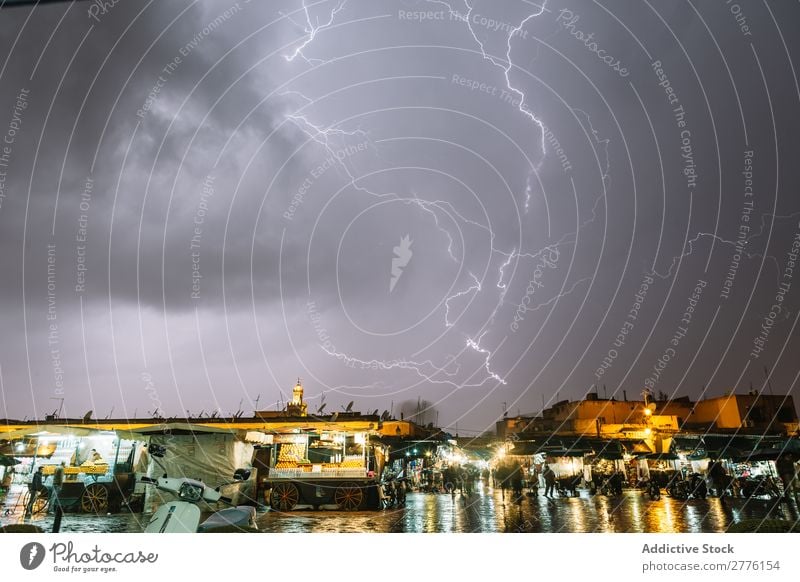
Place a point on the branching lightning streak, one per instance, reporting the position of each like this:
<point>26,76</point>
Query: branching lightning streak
<point>322,134</point>
<point>476,287</point>
<point>476,345</point>
<point>506,68</point>
<point>418,367</point>
<point>557,297</point>
<point>425,369</point>
<point>312,30</point>
<point>735,244</point>
<point>500,283</point>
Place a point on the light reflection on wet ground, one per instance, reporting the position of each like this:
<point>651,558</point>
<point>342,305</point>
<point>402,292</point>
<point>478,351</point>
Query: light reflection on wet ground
<point>491,511</point>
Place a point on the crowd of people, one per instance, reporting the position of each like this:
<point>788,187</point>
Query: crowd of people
<point>717,481</point>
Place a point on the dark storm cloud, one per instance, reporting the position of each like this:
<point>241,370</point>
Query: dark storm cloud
<point>209,165</point>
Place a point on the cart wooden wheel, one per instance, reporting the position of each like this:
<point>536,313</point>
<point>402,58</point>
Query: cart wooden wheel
<point>348,496</point>
<point>284,496</point>
<point>94,499</point>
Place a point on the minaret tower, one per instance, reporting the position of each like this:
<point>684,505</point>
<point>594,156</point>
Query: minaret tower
<point>297,407</point>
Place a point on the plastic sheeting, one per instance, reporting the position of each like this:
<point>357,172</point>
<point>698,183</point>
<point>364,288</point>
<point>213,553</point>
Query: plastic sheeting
<point>211,458</point>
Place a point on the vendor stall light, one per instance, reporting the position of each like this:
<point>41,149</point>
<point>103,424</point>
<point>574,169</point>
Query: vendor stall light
<point>427,453</point>
<point>647,412</point>
<point>415,451</point>
<point>408,454</point>
<point>20,446</point>
<point>648,430</point>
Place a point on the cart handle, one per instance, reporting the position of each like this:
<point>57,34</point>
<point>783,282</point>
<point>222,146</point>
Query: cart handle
<point>148,480</point>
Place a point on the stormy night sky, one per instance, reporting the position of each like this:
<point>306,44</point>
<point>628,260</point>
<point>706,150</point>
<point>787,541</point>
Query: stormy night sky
<point>487,205</point>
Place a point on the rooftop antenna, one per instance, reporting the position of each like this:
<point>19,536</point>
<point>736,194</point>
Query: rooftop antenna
<point>87,417</point>
<point>349,406</point>
<point>135,410</point>
<point>57,411</point>
<point>321,408</point>
<point>505,410</point>
<point>110,412</point>
<point>256,402</point>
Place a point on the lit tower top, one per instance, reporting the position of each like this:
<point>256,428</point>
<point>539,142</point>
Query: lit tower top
<point>297,407</point>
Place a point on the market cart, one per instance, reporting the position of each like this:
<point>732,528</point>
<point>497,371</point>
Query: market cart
<point>317,469</point>
<point>91,484</point>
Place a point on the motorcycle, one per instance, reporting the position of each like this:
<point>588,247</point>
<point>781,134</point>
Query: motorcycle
<point>678,489</point>
<point>653,490</point>
<point>612,486</point>
<point>394,493</point>
<point>697,484</point>
<point>183,515</point>
<point>758,487</point>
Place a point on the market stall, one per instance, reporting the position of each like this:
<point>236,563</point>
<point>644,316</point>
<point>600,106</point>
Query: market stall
<point>320,468</point>
<point>97,466</point>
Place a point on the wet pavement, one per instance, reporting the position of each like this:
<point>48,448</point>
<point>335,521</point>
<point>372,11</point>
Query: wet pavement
<point>489,510</point>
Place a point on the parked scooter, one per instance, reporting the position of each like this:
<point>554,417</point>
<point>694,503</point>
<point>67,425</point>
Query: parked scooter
<point>653,490</point>
<point>394,493</point>
<point>692,487</point>
<point>183,515</point>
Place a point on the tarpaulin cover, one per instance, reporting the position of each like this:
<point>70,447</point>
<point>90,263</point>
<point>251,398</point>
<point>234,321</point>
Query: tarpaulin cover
<point>211,458</point>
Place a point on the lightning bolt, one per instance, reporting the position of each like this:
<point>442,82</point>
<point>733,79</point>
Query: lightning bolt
<point>425,369</point>
<point>476,345</point>
<point>736,244</point>
<point>436,208</point>
<point>476,287</point>
<point>311,30</point>
<point>506,67</point>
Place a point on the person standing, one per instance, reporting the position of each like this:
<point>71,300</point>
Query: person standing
<point>549,481</point>
<point>719,478</point>
<point>34,487</point>
<point>58,482</point>
<point>785,466</point>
